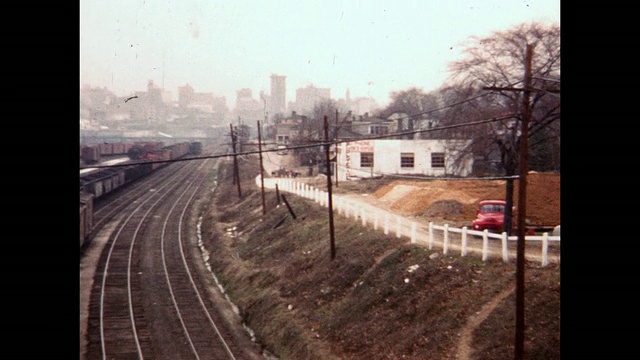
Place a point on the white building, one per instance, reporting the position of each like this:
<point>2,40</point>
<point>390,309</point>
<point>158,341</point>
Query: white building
<point>372,158</point>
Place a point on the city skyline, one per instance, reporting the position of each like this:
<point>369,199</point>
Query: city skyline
<point>173,95</point>
<point>372,48</point>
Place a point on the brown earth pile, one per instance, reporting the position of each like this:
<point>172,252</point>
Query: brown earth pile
<point>457,200</point>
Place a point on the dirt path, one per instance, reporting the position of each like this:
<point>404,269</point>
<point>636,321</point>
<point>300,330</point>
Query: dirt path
<point>464,350</point>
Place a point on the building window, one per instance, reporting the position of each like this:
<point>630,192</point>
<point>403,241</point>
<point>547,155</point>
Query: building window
<point>379,130</point>
<point>437,160</point>
<point>366,159</point>
<point>407,160</point>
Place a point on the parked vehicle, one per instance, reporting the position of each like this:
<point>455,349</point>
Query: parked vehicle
<point>282,173</point>
<point>282,150</point>
<point>490,216</point>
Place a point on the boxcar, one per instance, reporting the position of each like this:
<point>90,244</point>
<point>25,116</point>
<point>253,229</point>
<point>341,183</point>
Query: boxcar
<point>91,154</point>
<point>118,149</point>
<point>106,149</point>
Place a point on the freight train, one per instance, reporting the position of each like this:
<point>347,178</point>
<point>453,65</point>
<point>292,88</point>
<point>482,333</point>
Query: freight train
<point>94,153</point>
<point>148,157</point>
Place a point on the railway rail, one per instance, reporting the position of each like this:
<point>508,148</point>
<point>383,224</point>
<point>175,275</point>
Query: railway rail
<point>98,183</point>
<point>148,298</point>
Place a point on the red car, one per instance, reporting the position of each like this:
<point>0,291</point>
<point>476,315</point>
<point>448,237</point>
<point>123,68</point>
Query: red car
<point>490,216</point>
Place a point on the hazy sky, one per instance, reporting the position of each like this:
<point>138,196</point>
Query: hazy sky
<point>372,47</point>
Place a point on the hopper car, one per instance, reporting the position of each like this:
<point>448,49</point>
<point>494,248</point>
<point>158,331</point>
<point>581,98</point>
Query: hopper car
<point>96,184</point>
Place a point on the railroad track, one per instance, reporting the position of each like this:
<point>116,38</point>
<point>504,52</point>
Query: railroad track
<point>149,300</point>
<point>113,204</point>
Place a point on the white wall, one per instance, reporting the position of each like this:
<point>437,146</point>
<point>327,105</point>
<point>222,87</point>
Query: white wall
<point>386,158</point>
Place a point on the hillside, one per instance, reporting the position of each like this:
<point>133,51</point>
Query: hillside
<point>381,297</point>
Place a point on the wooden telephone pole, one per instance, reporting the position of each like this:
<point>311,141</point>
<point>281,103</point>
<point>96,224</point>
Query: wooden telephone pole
<point>236,173</point>
<point>522,203</point>
<point>335,138</point>
<point>522,198</point>
<point>327,156</point>
<point>264,207</point>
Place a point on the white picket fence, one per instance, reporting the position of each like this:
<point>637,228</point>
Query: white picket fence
<point>405,227</point>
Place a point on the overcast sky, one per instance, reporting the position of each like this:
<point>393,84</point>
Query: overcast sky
<point>372,47</point>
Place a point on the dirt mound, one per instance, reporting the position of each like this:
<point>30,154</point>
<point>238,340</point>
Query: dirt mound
<point>457,200</point>
<point>444,208</point>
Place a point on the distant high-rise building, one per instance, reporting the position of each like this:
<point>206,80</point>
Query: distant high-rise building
<point>278,98</point>
<point>185,95</point>
<point>247,108</point>
<point>307,98</point>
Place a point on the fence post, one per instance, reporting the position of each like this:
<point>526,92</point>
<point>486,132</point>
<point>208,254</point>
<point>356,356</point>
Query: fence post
<point>430,235</point>
<point>364,217</point>
<point>463,252</point>
<point>445,249</point>
<point>505,249</point>
<point>485,245</point>
<point>355,212</point>
<point>375,220</point>
<point>398,225</point>
<point>386,223</point>
<point>346,208</point>
<point>545,248</point>
<point>413,232</point>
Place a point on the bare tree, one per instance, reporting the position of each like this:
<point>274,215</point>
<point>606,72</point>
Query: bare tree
<point>494,66</point>
<point>312,131</point>
<point>415,103</point>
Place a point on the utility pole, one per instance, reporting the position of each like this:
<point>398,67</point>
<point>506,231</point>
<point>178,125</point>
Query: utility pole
<point>335,137</point>
<point>331,231</point>
<point>522,202</point>
<point>522,197</point>
<point>264,207</point>
<point>236,173</point>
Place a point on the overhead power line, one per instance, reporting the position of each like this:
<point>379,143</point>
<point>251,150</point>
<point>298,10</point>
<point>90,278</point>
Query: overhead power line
<point>315,144</point>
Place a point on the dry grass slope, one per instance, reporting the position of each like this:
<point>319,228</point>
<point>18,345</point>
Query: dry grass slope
<point>380,298</point>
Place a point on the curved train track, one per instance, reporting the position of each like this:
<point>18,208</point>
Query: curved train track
<point>149,300</point>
